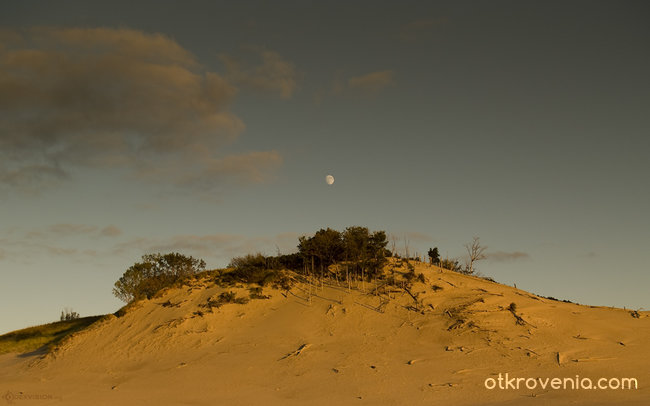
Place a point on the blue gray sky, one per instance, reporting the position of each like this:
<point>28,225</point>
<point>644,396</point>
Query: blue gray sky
<point>207,128</point>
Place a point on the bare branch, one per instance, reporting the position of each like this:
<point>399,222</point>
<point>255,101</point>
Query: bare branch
<point>476,252</point>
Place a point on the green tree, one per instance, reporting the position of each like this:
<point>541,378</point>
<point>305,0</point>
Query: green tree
<point>155,272</point>
<point>322,250</point>
<point>434,256</point>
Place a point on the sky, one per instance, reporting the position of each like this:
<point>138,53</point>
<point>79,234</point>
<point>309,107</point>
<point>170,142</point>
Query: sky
<point>208,128</point>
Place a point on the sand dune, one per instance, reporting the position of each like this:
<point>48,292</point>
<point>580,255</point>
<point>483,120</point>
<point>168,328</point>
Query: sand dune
<point>434,342</point>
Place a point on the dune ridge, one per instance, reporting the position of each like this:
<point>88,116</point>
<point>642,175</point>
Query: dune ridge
<point>435,339</point>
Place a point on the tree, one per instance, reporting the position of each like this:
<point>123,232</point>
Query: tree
<point>434,256</point>
<point>475,252</point>
<point>155,272</point>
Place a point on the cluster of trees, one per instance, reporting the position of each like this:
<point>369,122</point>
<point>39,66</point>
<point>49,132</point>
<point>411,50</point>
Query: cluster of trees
<point>362,252</point>
<point>359,252</point>
<point>155,272</point>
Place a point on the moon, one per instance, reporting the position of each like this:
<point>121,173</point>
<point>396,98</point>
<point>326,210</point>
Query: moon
<point>329,179</point>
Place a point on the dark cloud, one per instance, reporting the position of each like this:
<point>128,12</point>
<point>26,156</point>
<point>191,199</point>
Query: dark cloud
<point>115,98</point>
<point>501,256</point>
<point>274,74</point>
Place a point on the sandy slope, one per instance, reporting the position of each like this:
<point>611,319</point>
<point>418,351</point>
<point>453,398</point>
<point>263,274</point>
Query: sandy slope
<point>340,347</point>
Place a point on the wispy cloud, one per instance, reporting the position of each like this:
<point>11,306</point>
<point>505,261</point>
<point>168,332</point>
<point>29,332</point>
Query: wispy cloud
<point>373,81</point>
<point>26,249</point>
<point>70,229</point>
<point>214,246</point>
<point>118,98</point>
<point>67,230</point>
<point>501,256</point>
<point>110,231</point>
<point>368,84</point>
<point>421,28</point>
<point>273,74</point>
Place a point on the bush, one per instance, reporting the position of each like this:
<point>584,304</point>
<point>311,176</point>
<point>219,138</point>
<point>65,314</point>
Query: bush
<point>156,272</point>
<point>256,293</point>
<point>451,264</point>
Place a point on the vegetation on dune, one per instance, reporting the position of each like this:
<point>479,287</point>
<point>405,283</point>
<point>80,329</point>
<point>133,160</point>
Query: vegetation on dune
<point>353,255</point>
<point>45,336</point>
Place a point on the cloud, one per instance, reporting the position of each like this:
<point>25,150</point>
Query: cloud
<point>62,230</point>
<point>118,99</point>
<point>372,82</point>
<point>417,236</point>
<point>31,246</point>
<point>254,167</point>
<point>501,256</point>
<point>274,74</point>
<point>62,239</point>
<point>418,29</point>
<point>32,177</point>
<point>110,231</point>
<point>369,84</point>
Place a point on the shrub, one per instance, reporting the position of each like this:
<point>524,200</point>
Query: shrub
<point>256,293</point>
<point>227,297</point>
<point>68,314</point>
